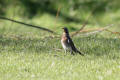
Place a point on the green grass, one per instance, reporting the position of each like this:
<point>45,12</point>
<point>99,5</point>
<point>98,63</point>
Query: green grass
<point>30,57</point>
<point>29,54</point>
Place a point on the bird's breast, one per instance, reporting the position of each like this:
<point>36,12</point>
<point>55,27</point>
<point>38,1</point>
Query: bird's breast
<point>64,42</point>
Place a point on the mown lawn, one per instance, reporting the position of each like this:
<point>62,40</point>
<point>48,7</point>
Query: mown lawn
<point>30,54</point>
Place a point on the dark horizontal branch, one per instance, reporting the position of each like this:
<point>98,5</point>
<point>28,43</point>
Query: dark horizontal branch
<point>30,25</point>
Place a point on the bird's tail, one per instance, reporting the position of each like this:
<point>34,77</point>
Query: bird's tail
<point>80,53</point>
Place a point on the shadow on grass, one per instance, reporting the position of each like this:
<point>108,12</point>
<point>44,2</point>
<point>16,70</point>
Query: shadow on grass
<point>18,44</point>
<point>91,45</point>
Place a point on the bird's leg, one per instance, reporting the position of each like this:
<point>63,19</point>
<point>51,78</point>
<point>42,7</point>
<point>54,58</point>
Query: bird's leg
<point>65,52</point>
<point>71,52</point>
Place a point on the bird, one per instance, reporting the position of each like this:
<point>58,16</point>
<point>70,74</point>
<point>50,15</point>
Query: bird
<point>67,42</point>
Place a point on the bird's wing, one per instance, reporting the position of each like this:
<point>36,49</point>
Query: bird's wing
<point>70,42</point>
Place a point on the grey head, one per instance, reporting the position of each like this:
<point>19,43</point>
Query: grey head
<point>65,30</point>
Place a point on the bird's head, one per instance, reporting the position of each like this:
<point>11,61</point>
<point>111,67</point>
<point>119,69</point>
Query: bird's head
<point>65,30</point>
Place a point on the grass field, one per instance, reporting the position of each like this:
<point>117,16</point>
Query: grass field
<point>29,54</point>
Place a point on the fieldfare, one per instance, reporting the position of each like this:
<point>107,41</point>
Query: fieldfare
<point>67,42</point>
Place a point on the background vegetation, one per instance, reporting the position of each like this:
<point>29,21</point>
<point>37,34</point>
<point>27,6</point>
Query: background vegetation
<point>28,53</point>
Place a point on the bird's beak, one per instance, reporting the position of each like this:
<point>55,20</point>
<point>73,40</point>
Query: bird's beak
<point>62,28</point>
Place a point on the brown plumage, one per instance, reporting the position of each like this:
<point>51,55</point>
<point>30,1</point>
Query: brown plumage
<point>67,42</point>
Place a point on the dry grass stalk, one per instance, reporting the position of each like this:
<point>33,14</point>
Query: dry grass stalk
<point>94,31</point>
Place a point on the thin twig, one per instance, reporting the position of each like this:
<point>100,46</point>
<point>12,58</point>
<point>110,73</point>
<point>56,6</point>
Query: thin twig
<point>89,31</point>
<point>85,23</point>
<point>112,32</point>
<point>30,25</point>
<point>96,30</point>
<point>57,49</point>
<point>57,14</point>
